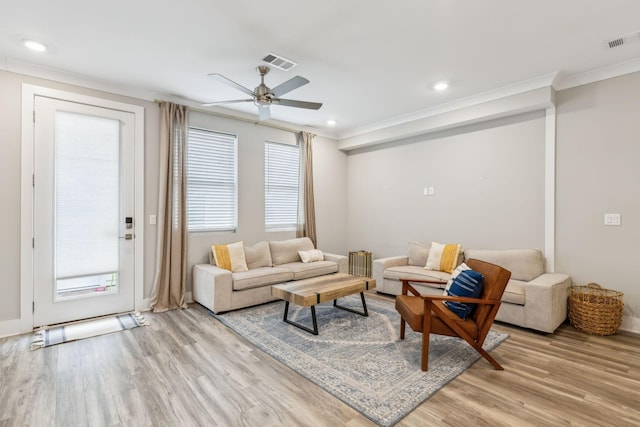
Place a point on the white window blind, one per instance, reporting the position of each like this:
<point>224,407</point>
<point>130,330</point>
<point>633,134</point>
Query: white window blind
<point>211,181</point>
<point>87,188</point>
<point>281,175</point>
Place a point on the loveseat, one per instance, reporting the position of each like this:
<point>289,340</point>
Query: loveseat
<point>267,263</point>
<point>533,298</point>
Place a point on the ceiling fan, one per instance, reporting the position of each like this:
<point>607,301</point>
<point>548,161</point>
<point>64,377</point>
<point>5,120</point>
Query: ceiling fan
<point>264,96</point>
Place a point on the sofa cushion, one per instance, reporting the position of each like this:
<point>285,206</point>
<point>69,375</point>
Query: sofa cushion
<point>286,251</point>
<point>258,255</point>
<point>514,292</point>
<point>311,256</point>
<point>524,264</point>
<point>443,257</point>
<point>468,283</point>
<point>230,257</point>
<point>301,270</point>
<point>418,253</point>
<point>260,276</point>
<point>417,273</point>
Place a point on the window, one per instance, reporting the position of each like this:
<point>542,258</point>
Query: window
<point>281,167</point>
<point>212,181</point>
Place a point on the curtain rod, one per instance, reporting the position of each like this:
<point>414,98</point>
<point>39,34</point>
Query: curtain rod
<point>242,119</point>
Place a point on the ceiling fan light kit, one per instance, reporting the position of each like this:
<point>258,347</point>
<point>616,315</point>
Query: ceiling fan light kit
<point>263,96</point>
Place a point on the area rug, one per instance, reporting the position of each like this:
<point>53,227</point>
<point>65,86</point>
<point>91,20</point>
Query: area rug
<point>85,329</point>
<point>360,360</point>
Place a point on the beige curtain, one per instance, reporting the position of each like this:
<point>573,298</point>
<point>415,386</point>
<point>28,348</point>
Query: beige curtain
<point>306,207</point>
<point>171,260</point>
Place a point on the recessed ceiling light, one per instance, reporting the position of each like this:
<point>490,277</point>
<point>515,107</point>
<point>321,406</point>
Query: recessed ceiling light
<point>331,122</point>
<point>440,86</point>
<point>34,45</point>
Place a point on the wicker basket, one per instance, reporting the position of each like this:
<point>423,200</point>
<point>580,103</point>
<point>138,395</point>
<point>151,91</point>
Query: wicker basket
<point>595,310</point>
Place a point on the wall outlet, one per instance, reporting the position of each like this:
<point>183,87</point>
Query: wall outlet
<point>153,219</point>
<point>611,219</point>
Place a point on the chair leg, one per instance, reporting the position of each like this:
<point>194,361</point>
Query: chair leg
<point>402,326</point>
<point>473,343</point>
<point>426,331</point>
<point>424,363</point>
<point>487,356</point>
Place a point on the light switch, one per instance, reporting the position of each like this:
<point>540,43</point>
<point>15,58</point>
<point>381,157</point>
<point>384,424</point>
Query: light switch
<point>428,191</point>
<point>611,219</point>
<point>153,219</point>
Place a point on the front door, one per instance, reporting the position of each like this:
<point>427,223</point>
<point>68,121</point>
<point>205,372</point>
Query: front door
<point>83,211</point>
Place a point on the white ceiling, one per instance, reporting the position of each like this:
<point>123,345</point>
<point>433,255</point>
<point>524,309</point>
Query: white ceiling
<point>367,61</point>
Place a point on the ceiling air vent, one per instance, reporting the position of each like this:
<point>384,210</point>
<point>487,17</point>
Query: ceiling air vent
<point>631,37</point>
<point>279,62</point>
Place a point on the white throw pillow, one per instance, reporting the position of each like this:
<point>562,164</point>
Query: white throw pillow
<point>310,256</point>
<point>459,269</point>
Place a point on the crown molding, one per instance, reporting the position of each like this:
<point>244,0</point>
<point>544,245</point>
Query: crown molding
<point>532,100</point>
<point>503,92</point>
<point>598,74</point>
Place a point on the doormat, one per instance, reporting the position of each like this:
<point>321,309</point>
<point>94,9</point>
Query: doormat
<point>360,360</point>
<point>85,329</point>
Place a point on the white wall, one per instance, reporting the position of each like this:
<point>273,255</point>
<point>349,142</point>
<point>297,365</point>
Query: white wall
<point>598,157</point>
<point>330,193</point>
<point>488,182</point>
<point>489,188</point>
<point>329,175</point>
<point>10,145</point>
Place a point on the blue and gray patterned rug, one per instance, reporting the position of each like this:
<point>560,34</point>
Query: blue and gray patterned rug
<point>360,360</point>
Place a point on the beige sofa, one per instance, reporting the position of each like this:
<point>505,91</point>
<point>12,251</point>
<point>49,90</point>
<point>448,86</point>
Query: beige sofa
<point>268,263</point>
<point>533,298</point>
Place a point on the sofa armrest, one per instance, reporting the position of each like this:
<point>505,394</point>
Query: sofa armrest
<point>212,287</point>
<point>546,300</point>
<point>379,265</point>
<point>392,261</point>
<point>341,260</point>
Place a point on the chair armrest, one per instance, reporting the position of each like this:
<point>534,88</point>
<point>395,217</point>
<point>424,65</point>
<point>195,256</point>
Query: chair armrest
<point>341,260</point>
<point>461,299</point>
<point>406,288</point>
<point>439,282</point>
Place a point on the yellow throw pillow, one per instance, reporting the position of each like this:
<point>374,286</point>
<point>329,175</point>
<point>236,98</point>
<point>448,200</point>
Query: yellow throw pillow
<point>230,257</point>
<point>443,257</point>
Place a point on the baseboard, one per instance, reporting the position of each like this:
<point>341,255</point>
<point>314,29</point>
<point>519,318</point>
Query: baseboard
<point>10,327</point>
<point>630,324</point>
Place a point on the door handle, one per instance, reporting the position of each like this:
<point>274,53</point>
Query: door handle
<point>127,237</point>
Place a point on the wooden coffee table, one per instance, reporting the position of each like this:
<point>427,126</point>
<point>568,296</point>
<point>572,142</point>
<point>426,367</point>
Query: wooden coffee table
<point>309,292</point>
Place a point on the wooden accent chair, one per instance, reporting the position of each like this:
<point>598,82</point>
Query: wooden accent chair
<point>442,321</point>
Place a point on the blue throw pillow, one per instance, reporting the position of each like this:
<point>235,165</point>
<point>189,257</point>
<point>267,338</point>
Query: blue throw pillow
<point>467,284</point>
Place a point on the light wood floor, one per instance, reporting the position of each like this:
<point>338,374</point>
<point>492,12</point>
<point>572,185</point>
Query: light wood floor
<point>186,369</point>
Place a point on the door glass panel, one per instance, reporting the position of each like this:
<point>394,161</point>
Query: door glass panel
<point>87,205</point>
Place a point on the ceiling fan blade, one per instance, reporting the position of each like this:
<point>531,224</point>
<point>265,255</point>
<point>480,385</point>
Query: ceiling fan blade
<point>297,104</point>
<point>289,85</point>
<point>264,113</point>
<point>233,101</point>
<point>231,83</point>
